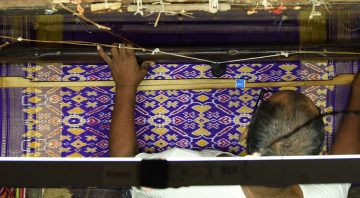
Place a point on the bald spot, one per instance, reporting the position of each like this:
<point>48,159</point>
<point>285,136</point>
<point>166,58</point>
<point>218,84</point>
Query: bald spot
<point>286,98</point>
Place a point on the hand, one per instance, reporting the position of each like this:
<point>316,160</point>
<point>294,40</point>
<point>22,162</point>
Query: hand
<point>354,104</point>
<point>356,85</point>
<point>124,67</point>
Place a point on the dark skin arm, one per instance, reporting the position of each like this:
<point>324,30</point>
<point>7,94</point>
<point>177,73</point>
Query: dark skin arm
<point>347,140</point>
<point>127,75</point>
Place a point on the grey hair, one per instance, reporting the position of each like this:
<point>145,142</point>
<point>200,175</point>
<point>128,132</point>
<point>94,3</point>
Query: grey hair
<point>275,119</point>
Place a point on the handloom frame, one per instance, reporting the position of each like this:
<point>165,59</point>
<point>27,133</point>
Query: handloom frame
<point>58,172</point>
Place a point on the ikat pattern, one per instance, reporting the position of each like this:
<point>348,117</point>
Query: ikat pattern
<point>43,118</point>
<point>252,72</point>
<point>86,121</point>
<point>213,119</point>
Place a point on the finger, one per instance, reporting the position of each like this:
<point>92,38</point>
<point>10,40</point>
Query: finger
<point>103,55</point>
<point>130,51</point>
<point>146,64</point>
<point>115,51</point>
<point>122,52</point>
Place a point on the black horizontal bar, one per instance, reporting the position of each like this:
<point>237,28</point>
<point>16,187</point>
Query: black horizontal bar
<point>124,172</point>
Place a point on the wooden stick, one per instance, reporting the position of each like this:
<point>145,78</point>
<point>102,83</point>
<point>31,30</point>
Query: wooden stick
<point>103,6</point>
<point>181,7</point>
<point>16,82</point>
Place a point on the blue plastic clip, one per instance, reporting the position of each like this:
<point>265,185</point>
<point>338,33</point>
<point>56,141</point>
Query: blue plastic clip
<point>239,84</point>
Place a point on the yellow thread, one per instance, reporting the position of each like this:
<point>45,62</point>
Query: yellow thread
<point>157,19</point>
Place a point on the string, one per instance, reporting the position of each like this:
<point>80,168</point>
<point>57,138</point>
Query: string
<point>78,6</point>
<point>107,6</point>
<point>139,8</point>
<point>315,4</point>
<point>80,15</point>
<point>213,6</point>
<point>158,51</point>
<point>286,54</point>
<point>267,5</point>
<point>4,45</point>
<point>101,27</point>
<point>163,10</point>
<point>188,57</point>
<point>93,44</point>
<point>118,36</point>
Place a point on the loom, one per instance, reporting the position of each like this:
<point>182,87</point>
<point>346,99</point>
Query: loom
<point>213,58</point>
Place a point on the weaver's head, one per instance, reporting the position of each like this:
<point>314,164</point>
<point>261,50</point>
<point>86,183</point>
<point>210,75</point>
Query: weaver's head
<point>281,114</point>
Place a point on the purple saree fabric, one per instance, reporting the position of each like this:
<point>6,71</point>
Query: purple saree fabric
<point>12,117</point>
<point>75,122</point>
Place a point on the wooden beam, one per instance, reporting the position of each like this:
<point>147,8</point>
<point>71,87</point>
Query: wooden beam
<point>32,4</point>
<point>181,7</point>
<point>185,84</point>
<point>5,4</point>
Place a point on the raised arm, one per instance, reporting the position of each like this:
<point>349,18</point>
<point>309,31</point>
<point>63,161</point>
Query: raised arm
<point>347,139</point>
<point>127,75</point>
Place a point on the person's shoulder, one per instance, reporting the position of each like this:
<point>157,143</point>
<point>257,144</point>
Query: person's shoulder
<point>338,190</point>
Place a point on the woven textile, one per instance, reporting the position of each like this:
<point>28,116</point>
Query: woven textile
<point>252,72</point>
<point>75,122</point>
<point>12,117</point>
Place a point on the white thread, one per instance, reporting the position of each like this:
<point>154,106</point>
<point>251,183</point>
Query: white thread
<point>286,54</point>
<point>4,45</point>
<point>163,10</point>
<point>266,4</point>
<point>252,58</point>
<point>315,4</point>
<point>155,51</point>
<point>162,6</point>
<point>313,10</point>
<point>188,57</point>
<point>139,8</point>
<point>213,6</point>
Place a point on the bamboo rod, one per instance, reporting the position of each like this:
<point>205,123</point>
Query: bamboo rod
<point>104,6</point>
<point>147,85</point>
